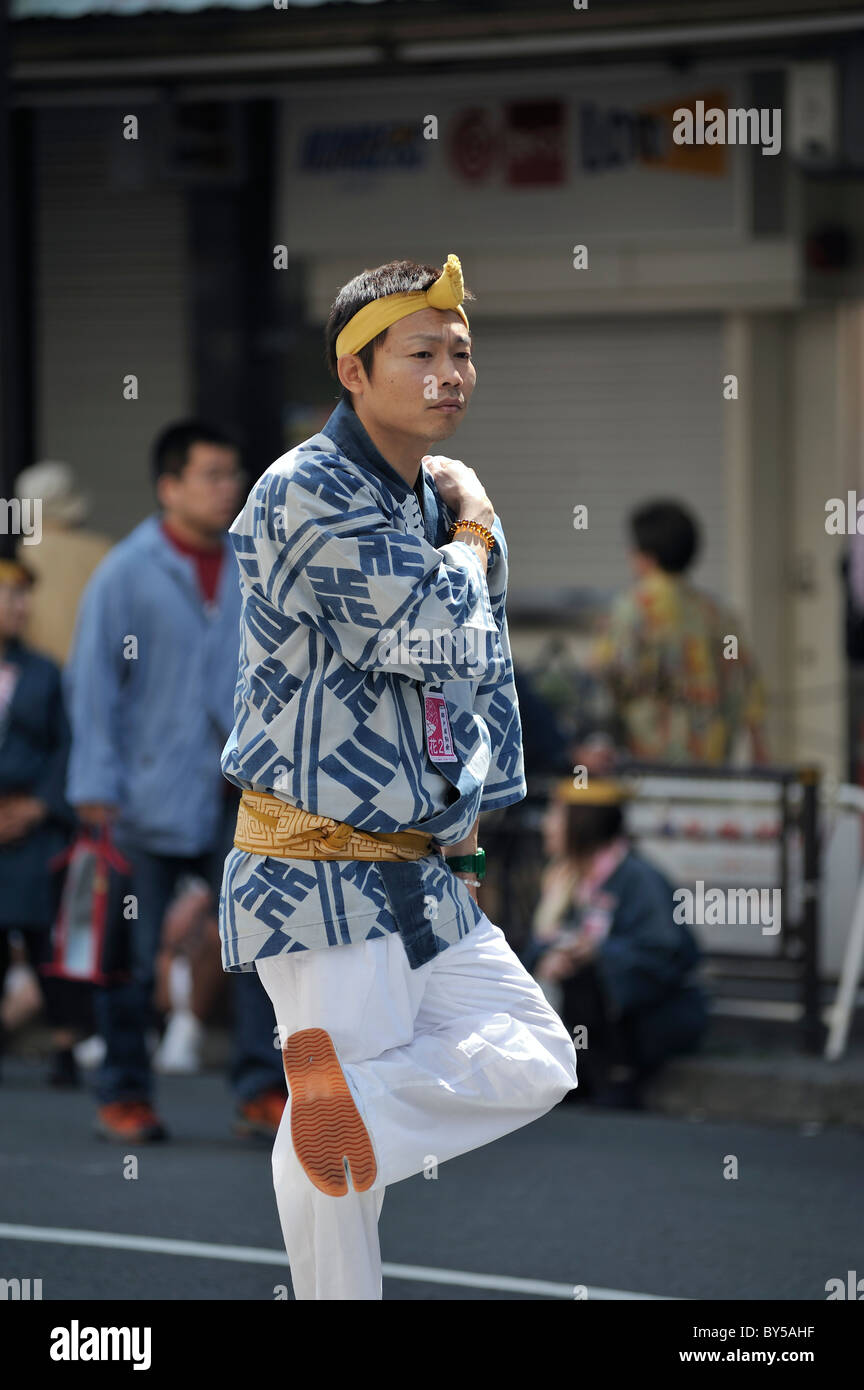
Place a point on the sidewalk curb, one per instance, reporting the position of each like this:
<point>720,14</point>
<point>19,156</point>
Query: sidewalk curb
<point>763,1088</point>
<point>774,1085</point>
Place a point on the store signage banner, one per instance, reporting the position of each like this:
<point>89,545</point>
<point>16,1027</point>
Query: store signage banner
<point>597,161</point>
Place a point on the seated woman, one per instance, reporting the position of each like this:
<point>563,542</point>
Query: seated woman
<point>607,951</point>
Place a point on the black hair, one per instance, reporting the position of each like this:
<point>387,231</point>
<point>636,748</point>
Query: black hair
<point>589,828</point>
<point>396,277</point>
<point>668,533</point>
<point>171,448</point>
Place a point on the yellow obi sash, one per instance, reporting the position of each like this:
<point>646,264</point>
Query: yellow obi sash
<point>266,825</point>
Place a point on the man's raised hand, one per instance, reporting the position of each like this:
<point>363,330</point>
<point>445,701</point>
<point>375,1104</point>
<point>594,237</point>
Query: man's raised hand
<point>460,488</point>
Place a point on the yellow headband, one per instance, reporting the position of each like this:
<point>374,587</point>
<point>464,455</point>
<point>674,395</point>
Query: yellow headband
<point>598,792</point>
<point>447,293</point>
<point>11,572</point>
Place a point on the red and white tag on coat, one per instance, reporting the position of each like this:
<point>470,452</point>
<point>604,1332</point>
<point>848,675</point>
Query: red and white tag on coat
<point>439,739</point>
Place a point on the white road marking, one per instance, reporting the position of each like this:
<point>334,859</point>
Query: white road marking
<point>248,1254</point>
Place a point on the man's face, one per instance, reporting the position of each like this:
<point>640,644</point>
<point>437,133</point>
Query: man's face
<point>423,363</point>
<point>206,496</point>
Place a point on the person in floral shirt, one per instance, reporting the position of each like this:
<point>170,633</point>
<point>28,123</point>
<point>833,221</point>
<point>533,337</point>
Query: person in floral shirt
<point>681,692</point>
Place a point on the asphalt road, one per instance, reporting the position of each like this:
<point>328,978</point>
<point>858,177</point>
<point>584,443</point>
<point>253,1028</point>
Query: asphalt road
<point>636,1204</point>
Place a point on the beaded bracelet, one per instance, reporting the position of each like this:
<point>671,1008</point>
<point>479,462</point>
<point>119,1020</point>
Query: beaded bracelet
<point>476,527</point>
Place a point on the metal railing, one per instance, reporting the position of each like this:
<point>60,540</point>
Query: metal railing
<point>514,843</point>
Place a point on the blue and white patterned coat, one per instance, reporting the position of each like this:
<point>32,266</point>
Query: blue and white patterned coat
<point>339,590</point>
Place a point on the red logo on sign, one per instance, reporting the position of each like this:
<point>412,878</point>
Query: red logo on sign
<point>535,143</point>
<point>473,143</point>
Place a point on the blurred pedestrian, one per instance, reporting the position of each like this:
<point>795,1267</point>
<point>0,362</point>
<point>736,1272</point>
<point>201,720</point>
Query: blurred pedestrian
<point>682,691</point>
<point>35,820</point>
<point>63,558</point>
<point>151,692</point>
<point>544,744</point>
<point>191,983</point>
<point>852,578</point>
<point>607,950</point>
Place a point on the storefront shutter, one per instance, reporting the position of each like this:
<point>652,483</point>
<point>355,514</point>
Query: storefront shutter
<point>111,292</point>
<point>600,412</point>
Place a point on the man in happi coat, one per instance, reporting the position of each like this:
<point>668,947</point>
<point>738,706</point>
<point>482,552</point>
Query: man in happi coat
<point>375,718</point>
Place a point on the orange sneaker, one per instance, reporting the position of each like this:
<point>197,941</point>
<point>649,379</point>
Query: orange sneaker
<point>326,1127</point>
<point>130,1121</point>
<point>261,1115</point>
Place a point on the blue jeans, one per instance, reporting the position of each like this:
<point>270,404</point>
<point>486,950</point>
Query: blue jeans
<point>124,1012</point>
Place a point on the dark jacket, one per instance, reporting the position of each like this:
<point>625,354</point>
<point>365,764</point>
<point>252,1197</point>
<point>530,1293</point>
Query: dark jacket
<point>647,954</point>
<point>34,747</point>
<point>544,746</point>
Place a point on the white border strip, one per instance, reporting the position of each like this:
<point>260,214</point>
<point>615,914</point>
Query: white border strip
<point>655,36</point>
<point>248,1254</point>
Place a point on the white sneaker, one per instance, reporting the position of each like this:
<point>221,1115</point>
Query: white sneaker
<point>90,1053</point>
<point>180,1048</point>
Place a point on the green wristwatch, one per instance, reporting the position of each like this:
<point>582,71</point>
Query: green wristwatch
<point>469,864</point>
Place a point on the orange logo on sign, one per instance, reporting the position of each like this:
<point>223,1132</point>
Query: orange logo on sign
<point>688,159</point>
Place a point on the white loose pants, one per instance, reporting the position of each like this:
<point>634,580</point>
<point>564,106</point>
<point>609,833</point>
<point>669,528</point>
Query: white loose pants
<point>440,1060</point>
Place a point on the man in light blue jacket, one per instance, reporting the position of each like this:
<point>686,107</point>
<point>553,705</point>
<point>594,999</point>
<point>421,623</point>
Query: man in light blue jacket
<point>150,690</point>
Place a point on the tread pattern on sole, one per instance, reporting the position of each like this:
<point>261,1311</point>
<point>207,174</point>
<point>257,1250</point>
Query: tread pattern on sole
<point>326,1126</point>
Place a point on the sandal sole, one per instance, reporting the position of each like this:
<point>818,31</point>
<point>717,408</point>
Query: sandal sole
<point>326,1126</point>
